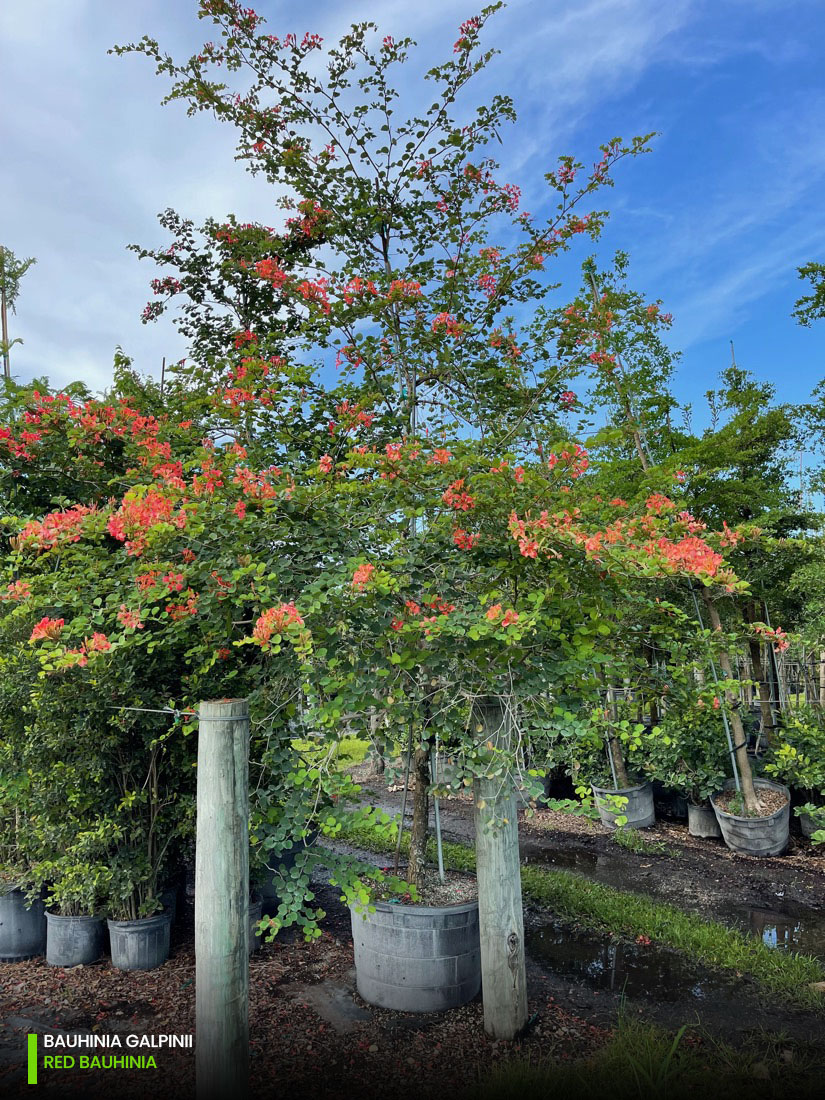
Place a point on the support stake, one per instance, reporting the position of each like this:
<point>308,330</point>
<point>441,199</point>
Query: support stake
<point>501,918</point>
<point>222,901</point>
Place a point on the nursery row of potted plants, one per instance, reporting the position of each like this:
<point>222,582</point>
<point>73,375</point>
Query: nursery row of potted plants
<point>28,928</point>
<point>721,816</point>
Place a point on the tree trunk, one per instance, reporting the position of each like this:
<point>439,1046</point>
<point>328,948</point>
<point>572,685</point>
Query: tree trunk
<point>755,647</point>
<point>653,704</point>
<point>614,745</point>
<point>421,814</point>
<point>378,763</point>
<point>822,677</point>
<point>752,804</point>
<point>501,918</point>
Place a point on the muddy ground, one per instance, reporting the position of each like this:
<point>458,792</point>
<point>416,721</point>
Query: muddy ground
<point>702,876</point>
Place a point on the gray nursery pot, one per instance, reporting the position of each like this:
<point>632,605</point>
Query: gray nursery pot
<point>756,836</point>
<point>140,944</point>
<point>74,941</point>
<point>417,958</point>
<point>638,809</point>
<point>702,822</point>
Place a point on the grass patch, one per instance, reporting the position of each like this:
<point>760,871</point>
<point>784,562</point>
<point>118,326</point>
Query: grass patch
<point>633,840</point>
<point>642,1061</point>
<point>605,909</point>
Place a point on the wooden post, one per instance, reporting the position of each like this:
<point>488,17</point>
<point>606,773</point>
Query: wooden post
<point>222,901</point>
<point>501,919</point>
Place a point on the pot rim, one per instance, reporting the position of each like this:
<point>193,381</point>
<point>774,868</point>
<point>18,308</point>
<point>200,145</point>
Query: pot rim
<point>620,790</point>
<point>769,784</point>
<point>126,925</point>
<point>79,917</point>
<point>424,910</point>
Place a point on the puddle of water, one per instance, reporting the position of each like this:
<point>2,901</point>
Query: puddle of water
<point>803,932</point>
<point>647,972</point>
<point>794,929</point>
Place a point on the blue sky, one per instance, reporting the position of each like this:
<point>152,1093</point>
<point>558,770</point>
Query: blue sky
<point>715,220</point>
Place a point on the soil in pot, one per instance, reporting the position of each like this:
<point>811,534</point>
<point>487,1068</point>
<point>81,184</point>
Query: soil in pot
<point>765,835</point>
<point>140,944</point>
<point>638,809</point>
<point>74,941</point>
<point>419,958</point>
<point>22,926</point>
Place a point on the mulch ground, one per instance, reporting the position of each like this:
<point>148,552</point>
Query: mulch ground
<point>295,1051</point>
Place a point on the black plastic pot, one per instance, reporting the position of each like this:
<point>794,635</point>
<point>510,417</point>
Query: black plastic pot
<point>22,926</point>
<point>140,944</point>
<point>74,941</point>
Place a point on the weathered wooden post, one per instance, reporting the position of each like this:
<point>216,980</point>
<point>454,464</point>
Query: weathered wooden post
<point>222,901</point>
<point>501,919</point>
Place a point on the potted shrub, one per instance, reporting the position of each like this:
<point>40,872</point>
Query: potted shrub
<point>139,926</point>
<point>75,900</point>
<point>798,758</point>
<point>147,833</point>
<point>688,755</point>
<point>621,801</point>
<point>754,834</point>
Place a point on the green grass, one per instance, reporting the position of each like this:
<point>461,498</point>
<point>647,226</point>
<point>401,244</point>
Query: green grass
<point>641,1061</point>
<point>349,751</point>
<point>635,841</point>
<point>605,909</point>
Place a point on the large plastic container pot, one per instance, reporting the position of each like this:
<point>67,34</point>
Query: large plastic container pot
<point>756,836</point>
<point>417,958</point>
<point>140,944</point>
<point>702,822</point>
<point>22,926</point>
<point>74,941</point>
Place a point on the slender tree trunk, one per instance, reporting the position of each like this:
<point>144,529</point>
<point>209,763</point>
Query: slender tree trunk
<point>653,703</point>
<point>822,677</point>
<point>421,814</point>
<point>378,762</point>
<point>614,745</point>
<point>755,647</point>
<point>740,742</point>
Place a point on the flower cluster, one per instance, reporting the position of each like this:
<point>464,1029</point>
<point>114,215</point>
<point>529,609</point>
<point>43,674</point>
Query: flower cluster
<point>138,515</point>
<point>55,529</point>
<point>464,540</point>
<point>776,635</point>
<point>455,497</point>
<point>362,575</point>
<point>494,614</point>
<point>275,621</point>
<point>47,629</point>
